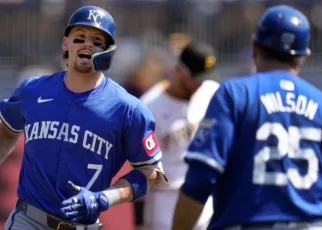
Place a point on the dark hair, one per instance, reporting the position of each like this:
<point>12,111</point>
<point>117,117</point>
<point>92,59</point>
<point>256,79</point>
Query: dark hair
<point>292,60</point>
<point>65,55</point>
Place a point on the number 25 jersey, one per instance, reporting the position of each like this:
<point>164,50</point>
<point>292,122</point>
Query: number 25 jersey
<point>262,137</point>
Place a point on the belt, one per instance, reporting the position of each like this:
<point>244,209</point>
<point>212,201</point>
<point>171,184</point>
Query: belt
<point>50,221</point>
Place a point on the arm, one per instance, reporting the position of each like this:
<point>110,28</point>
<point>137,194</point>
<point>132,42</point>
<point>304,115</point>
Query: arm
<point>86,206</point>
<point>186,213</point>
<point>199,183</point>
<point>139,206</point>
<point>207,157</point>
<point>143,153</point>
<point>125,188</point>
<point>11,120</point>
<point>127,193</point>
<point>8,140</point>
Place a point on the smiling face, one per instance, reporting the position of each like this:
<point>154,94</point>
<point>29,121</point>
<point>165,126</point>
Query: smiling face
<point>81,43</point>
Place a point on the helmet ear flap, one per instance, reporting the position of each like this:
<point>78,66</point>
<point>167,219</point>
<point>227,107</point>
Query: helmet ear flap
<point>102,61</point>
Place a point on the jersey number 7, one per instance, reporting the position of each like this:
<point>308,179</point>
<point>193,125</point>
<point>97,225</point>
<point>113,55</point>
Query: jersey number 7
<point>288,146</point>
<point>98,170</point>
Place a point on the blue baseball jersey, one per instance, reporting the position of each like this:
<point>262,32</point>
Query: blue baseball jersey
<point>82,137</point>
<point>261,138</point>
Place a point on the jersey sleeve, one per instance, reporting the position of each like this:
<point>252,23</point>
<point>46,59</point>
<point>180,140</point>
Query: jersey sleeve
<point>11,112</point>
<point>214,138</point>
<point>141,144</point>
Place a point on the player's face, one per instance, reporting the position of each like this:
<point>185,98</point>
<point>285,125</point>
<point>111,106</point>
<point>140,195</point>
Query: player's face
<point>81,44</point>
<point>189,85</point>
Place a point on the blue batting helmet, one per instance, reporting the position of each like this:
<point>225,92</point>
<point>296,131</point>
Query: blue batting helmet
<point>92,16</point>
<point>99,18</point>
<point>284,29</point>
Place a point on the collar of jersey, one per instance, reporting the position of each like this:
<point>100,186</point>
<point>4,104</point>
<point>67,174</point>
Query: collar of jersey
<point>84,95</point>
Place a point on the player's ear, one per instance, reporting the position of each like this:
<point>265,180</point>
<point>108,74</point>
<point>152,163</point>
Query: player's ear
<point>64,44</point>
<point>308,52</point>
<point>254,49</point>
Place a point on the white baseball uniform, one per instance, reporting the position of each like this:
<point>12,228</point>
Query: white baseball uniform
<point>176,123</point>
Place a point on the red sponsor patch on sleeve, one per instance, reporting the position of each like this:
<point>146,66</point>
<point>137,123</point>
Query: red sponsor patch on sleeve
<point>150,143</point>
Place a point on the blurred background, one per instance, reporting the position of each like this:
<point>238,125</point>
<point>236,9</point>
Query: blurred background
<point>149,36</point>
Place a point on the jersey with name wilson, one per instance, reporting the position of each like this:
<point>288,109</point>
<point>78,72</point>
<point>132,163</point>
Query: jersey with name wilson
<point>262,137</point>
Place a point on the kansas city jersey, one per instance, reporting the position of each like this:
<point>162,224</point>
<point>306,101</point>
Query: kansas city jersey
<point>261,136</point>
<point>85,138</point>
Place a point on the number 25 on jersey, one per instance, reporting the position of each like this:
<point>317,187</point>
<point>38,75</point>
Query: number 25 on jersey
<point>288,146</point>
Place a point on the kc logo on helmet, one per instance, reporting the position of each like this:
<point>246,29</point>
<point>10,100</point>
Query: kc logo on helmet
<point>150,143</point>
<point>93,16</point>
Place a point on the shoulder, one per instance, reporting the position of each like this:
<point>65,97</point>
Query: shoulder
<point>240,80</point>
<point>208,84</point>
<point>155,92</point>
<point>235,92</point>
<point>135,111</point>
<point>310,87</point>
<point>122,98</point>
<point>235,86</point>
<point>119,94</point>
<point>206,89</point>
<point>35,82</point>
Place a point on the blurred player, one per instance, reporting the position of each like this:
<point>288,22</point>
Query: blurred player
<point>80,127</point>
<point>178,107</point>
<point>258,149</point>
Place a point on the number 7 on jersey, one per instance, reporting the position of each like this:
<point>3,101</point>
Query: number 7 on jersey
<point>98,169</point>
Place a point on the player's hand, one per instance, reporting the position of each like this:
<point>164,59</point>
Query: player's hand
<point>85,207</point>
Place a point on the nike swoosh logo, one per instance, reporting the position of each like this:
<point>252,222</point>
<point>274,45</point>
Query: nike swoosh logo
<point>43,100</point>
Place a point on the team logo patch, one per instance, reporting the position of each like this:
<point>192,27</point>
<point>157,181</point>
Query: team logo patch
<point>93,15</point>
<point>150,143</point>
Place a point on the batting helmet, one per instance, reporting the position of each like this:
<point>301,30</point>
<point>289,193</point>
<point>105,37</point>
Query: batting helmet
<point>99,18</point>
<point>284,29</point>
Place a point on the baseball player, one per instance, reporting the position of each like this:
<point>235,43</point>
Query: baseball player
<point>79,127</point>
<point>258,148</point>
<point>178,106</point>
